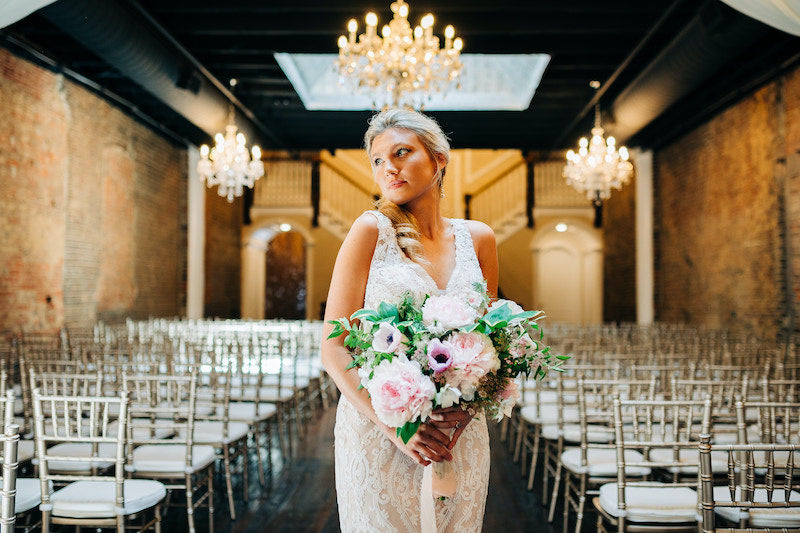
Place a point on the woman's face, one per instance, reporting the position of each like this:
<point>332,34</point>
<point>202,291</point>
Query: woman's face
<point>402,167</point>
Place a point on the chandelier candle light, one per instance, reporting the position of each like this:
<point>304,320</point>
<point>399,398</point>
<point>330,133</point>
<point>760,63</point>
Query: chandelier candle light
<point>400,67</point>
<point>598,166</point>
<point>228,164</point>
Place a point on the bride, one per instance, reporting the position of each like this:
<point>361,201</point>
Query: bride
<point>406,244</point>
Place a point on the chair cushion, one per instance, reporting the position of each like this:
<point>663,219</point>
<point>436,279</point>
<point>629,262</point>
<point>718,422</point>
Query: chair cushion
<point>210,432</point>
<point>689,460</point>
<point>170,458</point>
<point>29,494</point>
<point>80,449</point>
<point>548,414</point>
<point>775,518</point>
<point>163,429</point>
<point>572,433</point>
<point>664,503</point>
<point>602,463</point>
<point>26,450</point>
<point>246,411</point>
<point>96,499</point>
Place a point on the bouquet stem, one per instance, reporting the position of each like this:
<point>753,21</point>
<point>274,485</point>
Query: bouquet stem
<point>444,479</point>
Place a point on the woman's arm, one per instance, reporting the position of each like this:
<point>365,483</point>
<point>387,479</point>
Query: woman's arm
<point>345,296</point>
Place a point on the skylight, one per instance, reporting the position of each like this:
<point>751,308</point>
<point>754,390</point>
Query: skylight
<point>489,82</point>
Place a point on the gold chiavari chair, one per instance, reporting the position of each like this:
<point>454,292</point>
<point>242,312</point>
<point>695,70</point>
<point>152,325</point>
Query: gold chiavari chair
<point>179,462</point>
<point>761,493</point>
<point>104,498</point>
<point>593,462</point>
<point>633,504</point>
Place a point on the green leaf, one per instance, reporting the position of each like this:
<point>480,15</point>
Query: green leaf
<point>407,430</point>
<point>365,314</point>
<point>563,357</point>
<point>351,364</point>
<point>386,310</point>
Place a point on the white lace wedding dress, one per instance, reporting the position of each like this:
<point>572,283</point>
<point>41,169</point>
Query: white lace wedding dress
<point>379,488</point>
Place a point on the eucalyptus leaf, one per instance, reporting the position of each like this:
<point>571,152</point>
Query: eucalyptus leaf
<point>407,430</point>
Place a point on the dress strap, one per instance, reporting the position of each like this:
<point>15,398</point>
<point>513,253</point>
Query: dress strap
<point>387,238</point>
<point>465,246</point>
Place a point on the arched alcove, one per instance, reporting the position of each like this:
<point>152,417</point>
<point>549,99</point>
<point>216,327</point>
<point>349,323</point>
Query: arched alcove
<point>256,241</point>
<point>568,271</point>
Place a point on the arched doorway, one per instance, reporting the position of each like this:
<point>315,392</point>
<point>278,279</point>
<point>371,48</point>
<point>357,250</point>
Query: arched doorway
<point>285,288</point>
<point>568,272</point>
<point>277,263</point>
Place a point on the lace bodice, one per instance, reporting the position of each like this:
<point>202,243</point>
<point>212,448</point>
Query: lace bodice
<point>392,273</point>
<point>378,487</point>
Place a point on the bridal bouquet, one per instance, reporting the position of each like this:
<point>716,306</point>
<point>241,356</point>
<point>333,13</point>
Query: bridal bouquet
<point>449,350</point>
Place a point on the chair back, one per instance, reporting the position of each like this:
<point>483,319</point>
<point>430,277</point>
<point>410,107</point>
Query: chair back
<point>10,440</point>
<point>761,489</point>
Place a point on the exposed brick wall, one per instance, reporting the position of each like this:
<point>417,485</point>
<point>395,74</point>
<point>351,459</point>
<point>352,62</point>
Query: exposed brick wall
<point>619,255</point>
<point>717,223</point>
<point>223,256</point>
<point>98,224</point>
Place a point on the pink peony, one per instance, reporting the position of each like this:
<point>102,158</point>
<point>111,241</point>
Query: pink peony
<point>474,356</point>
<point>388,339</point>
<point>400,392</point>
<point>443,313</point>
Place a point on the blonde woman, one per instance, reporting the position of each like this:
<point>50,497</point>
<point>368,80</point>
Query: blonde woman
<point>406,245</point>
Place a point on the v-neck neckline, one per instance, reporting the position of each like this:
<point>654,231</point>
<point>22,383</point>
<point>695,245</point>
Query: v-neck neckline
<point>455,262</point>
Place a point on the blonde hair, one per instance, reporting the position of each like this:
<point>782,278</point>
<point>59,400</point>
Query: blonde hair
<point>436,144</point>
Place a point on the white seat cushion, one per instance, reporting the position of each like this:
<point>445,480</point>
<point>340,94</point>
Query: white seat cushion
<point>26,450</point>
<point>142,430</point>
<point>80,449</point>
<point>96,499</point>
<point>246,411</point>
<point>602,463</point>
<point>572,433</point>
<point>169,458</point>
<point>548,414</point>
<point>689,460</point>
<point>665,503</point>
<point>785,517</point>
<point>29,494</point>
<point>210,432</point>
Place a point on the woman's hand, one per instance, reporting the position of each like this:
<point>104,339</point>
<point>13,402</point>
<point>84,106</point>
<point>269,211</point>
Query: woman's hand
<point>426,445</point>
<point>451,418</point>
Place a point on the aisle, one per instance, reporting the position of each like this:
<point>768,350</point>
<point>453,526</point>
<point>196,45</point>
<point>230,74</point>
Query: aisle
<point>302,496</point>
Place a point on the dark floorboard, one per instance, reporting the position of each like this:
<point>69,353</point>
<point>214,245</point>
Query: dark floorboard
<point>302,497</point>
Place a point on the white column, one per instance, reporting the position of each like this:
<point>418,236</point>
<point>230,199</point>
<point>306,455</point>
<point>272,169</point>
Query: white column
<point>254,279</point>
<point>196,276</point>
<point>645,310</point>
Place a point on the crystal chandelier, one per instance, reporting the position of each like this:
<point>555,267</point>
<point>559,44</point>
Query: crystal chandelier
<point>228,163</point>
<point>598,166</point>
<point>401,67</point>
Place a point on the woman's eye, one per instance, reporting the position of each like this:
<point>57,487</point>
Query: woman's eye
<point>377,162</point>
<point>402,151</point>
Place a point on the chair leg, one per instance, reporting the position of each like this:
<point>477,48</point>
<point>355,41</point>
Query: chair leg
<point>521,431</point>
<point>210,489</point>
<point>246,469</point>
<point>256,442</point>
<point>226,464</point>
<point>554,494</point>
<point>581,504</point>
<point>157,526</point>
<point>190,503</point>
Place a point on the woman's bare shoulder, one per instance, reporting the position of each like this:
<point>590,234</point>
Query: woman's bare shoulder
<point>364,229</point>
<point>480,231</point>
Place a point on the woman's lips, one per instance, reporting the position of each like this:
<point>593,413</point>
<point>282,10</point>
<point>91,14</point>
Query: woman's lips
<point>396,184</point>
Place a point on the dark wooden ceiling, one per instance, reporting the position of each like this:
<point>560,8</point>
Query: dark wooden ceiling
<point>612,41</point>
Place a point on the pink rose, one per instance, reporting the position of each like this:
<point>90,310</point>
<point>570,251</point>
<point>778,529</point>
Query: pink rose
<point>400,392</point>
<point>443,313</point>
<point>474,356</point>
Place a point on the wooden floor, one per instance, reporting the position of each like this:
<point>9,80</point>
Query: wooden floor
<point>301,496</point>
